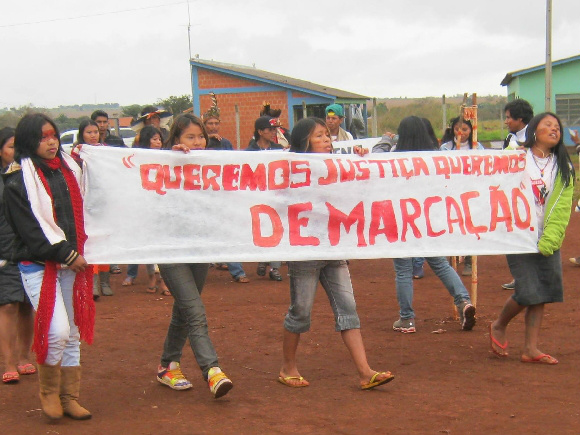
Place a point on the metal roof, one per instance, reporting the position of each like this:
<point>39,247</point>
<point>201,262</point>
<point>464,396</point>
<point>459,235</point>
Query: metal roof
<point>269,77</point>
<point>509,76</point>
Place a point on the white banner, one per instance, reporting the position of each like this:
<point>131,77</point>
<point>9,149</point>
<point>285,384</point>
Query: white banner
<point>151,206</point>
<point>347,146</point>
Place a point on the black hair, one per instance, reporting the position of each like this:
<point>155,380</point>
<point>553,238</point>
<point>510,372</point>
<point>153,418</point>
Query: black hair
<point>82,126</point>
<point>145,136</point>
<point>565,166</point>
<point>181,123</point>
<point>98,113</point>
<point>28,135</point>
<point>430,132</point>
<point>5,134</point>
<point>520,109</point>
<point>300,136</point>
<point>413,135</point>
<point>148,109</point>
<point>449,135</point>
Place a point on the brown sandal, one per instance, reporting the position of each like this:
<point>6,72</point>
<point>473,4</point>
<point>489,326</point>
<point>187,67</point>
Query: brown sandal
<point>152,289</point>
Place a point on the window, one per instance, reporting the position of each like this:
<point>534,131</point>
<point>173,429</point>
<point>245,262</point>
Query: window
<point>568,108</point>
<point>67,139</point>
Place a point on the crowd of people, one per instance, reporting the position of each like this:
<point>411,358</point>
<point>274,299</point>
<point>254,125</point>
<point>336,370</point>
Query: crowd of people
<point>48,291</point>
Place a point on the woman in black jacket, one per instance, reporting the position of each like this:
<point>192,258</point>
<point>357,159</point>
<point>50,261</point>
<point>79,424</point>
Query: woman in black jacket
<point>16,315</point>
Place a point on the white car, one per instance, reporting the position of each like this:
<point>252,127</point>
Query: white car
<point>69,137</point>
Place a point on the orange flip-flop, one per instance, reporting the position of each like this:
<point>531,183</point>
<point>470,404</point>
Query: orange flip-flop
<point>375,383</point>
<point>301,381</point>
<point>498,344</point>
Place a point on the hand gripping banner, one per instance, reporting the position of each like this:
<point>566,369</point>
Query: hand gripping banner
<point>151,206</point>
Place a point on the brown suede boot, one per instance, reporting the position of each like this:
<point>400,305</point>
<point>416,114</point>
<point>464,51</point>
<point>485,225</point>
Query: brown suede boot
<point>49,379</point>
<point>70,384</point>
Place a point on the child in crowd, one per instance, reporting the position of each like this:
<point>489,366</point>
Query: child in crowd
<point>16,314</point>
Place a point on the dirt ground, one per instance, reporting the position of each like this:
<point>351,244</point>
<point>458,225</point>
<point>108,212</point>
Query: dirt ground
<point>447,383</point>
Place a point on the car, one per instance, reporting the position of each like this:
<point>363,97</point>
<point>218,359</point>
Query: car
<point>127,134</point>
<point>69,137</point>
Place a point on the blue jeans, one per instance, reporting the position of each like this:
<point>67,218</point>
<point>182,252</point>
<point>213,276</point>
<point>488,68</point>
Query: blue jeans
<point>273,264</point>
<point>404,282</point>
<point>188,320</point>
<point>133,269</point>
<point>418,261</point>
<point>63,333</point>
<point>236,270</point>
<point>335,279</point>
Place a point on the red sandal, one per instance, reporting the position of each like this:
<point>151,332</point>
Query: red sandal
<point>10,377</point>
<point>26,369</point>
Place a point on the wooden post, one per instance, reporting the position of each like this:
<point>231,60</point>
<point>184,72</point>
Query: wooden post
<point>474,257</point>
<point>304,112</point>
<point>548,69</point>
<point>375,120</point>
<point>444,123</point>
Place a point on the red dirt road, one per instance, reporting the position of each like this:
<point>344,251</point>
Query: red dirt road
<point>448,383</point>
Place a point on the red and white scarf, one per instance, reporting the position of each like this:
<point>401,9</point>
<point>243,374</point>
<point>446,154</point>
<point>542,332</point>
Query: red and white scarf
<point>40,197</point>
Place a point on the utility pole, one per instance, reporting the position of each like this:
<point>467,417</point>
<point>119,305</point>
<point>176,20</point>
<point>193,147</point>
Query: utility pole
<point>189,59</point>
<point>548,69</point>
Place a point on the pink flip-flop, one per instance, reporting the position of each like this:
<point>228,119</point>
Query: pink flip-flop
<point>10,377</point>
<point>543,358</point>
<point>26,369</point>
<point>498,344</point>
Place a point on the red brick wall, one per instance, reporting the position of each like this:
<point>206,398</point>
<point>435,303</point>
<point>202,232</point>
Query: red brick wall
<point>213,80</point>
<point>249,104</point>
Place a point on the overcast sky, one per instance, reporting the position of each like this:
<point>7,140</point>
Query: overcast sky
<point>61,52</point>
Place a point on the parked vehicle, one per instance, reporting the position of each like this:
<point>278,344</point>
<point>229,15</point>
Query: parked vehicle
<point>69,137</point>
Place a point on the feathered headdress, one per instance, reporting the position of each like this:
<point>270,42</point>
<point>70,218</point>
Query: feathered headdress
<point>214,110</point>
<point>268,111</point>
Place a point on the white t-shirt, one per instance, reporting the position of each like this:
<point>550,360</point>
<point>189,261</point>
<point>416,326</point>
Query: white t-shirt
<point>542,173</point>
<point>517,139</point>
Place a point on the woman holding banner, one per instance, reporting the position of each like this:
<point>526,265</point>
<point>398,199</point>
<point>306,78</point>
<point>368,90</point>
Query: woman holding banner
<point>185,282</point>
<point>311,135</point>
<point>413,136</point>
<point>538,276</point>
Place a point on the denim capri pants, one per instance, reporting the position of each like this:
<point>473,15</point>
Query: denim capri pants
<point>335,279</point>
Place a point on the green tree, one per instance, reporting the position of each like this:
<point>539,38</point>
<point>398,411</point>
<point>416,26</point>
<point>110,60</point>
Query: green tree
<point>382,109</point>
<point>134,110</point>
<point>176,104</point>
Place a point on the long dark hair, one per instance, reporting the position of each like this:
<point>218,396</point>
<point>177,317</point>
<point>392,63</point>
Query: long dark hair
<point>5,134</point>
<point>413,135</point>
<point>28,135</point>
<point>299,138</point>
<point>565,166</point>
<point>181,123</point>
<point>82,126</point>
<point>449,135</point>
<point>145,136</point>
<point>430,132</point>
